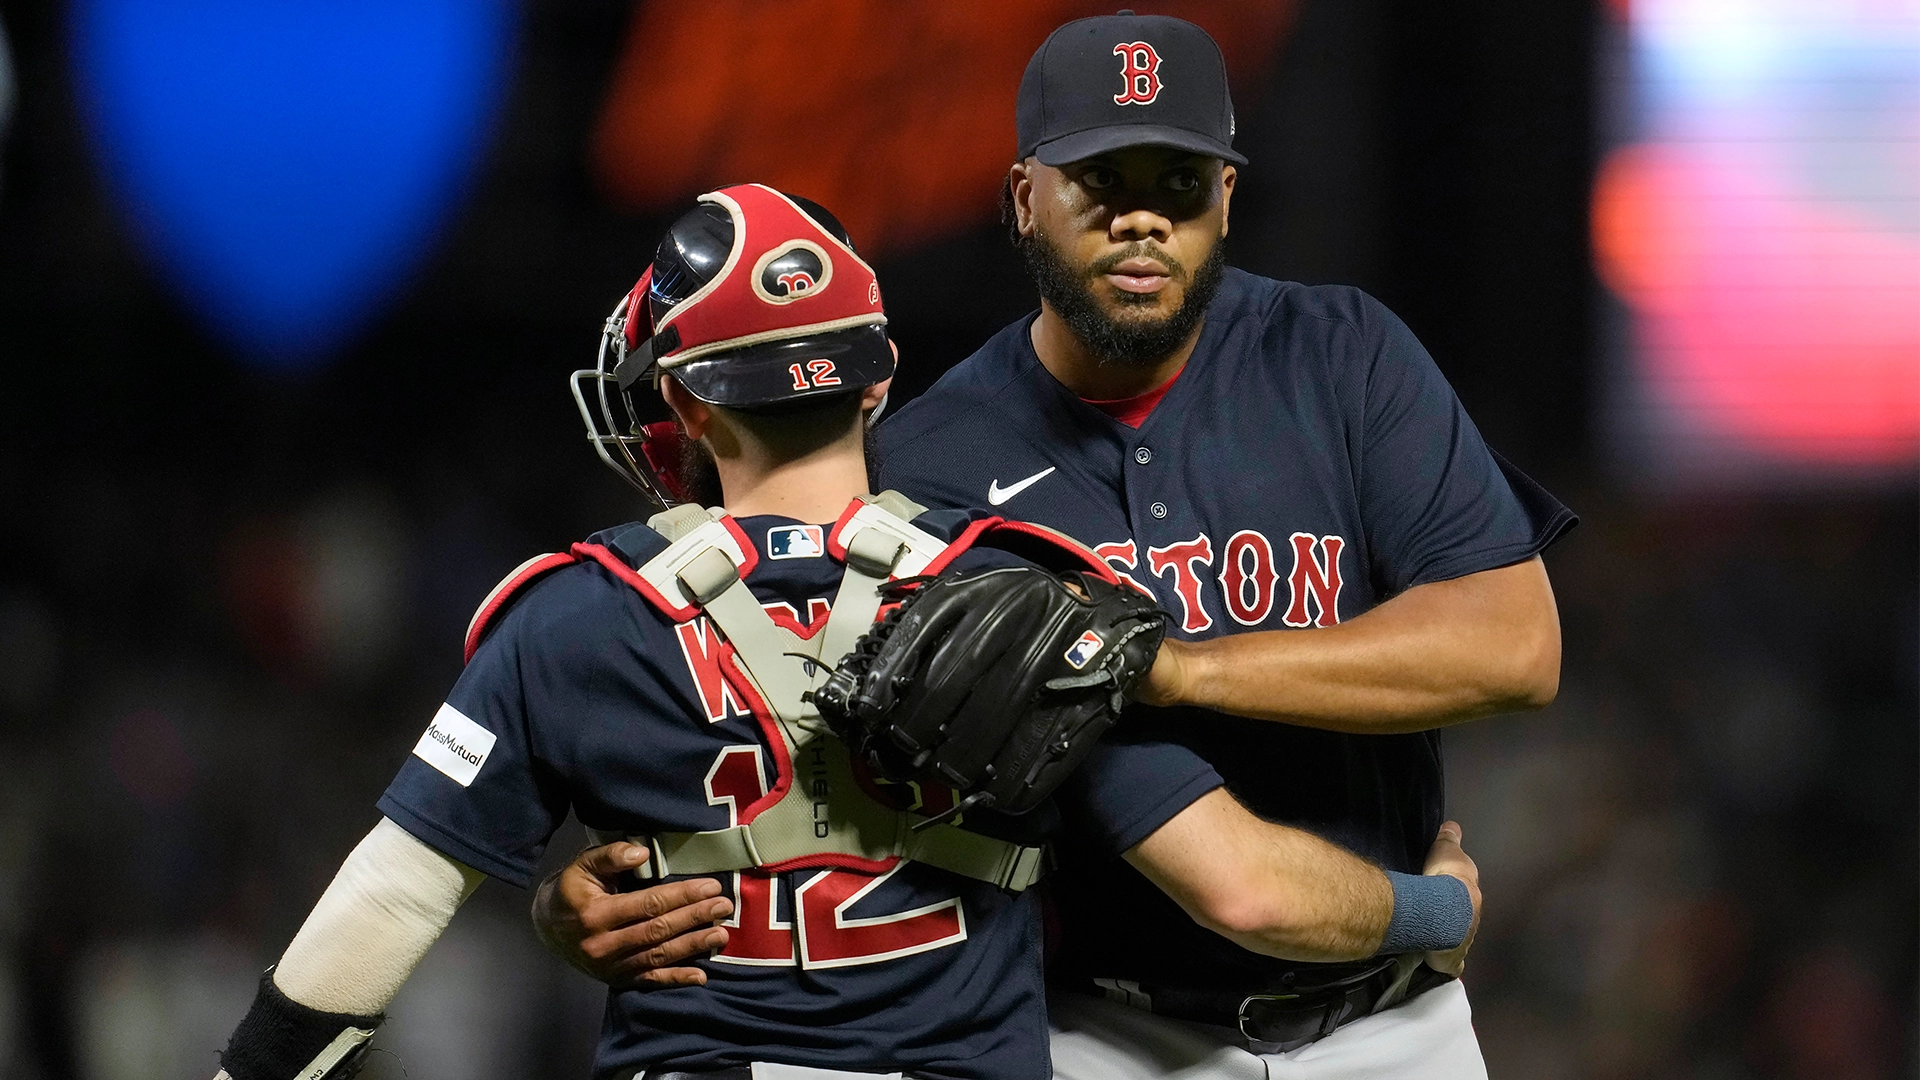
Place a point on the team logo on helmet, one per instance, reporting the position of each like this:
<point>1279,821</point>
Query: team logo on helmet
<point>792,271</point>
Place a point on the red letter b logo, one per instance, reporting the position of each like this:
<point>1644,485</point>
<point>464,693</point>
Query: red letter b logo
<point>1140,66</point>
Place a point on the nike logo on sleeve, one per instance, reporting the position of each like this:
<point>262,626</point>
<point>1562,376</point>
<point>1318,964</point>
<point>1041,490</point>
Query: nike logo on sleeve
<point>997,494</point>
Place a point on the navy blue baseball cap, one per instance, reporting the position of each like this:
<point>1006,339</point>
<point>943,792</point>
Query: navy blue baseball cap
<point>1114,81</point>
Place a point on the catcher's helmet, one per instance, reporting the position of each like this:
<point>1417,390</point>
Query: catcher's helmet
<point>755,300</point>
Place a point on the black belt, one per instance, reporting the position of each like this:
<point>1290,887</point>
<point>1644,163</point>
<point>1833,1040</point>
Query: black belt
<point>1304,1006</point>
<point>738,1072</point>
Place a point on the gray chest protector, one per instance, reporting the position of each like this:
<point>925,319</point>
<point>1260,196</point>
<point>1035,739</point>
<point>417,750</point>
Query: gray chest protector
<point>822,816</point>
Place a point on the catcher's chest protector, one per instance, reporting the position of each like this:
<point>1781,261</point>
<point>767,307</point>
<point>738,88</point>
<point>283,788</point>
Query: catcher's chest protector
<point>822,815</point>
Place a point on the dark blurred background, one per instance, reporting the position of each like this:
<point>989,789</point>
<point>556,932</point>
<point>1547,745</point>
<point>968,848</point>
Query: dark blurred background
<point>288,293</point>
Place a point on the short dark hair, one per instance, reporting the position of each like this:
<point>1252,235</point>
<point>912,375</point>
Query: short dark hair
<point>785,432</point>
<point>795,429</point>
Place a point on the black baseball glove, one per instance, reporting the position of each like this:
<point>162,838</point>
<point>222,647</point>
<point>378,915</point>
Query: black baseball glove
<point>996,683</point>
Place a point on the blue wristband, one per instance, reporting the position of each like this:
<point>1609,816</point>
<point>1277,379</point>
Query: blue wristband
<point>1430,913</point>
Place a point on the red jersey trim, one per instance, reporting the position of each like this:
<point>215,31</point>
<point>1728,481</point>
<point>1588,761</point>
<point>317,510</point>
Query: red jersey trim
<point>1074,548</point>
<point>509,587</point>
<point>1133,411</point>
<point>967,538</point>
<point>843,862</point>
<point>757,705</point>
<point>618,567</point>
<point>834,547</point>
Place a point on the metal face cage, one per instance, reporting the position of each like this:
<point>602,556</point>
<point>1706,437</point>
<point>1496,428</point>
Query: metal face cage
<point>617,436</point>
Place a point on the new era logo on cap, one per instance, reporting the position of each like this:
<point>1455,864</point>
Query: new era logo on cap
<point>1102,84</point>
<point>796,542</point>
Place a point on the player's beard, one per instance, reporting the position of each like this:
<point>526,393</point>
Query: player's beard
<point>698,477</point>
<point>1134,342</point>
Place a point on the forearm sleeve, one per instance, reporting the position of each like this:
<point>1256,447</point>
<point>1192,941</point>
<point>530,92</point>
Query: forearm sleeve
<point>391,899</point>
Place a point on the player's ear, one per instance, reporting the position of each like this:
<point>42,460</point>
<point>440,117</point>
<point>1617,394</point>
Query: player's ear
<point>872,396</point>
<point>696,416</point>
<point>1020,184</point>
<point>1227,175</point>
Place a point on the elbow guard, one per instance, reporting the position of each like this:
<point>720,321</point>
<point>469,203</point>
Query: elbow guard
<point>281,1039</point>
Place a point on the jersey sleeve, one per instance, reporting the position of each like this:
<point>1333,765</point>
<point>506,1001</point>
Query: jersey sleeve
<point>1436,501</point>
<point>1125,790</point>
<point>477,787</point>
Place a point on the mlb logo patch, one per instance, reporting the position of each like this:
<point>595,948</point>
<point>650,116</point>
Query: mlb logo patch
<point>1085,649</point>
<point>796,542</point>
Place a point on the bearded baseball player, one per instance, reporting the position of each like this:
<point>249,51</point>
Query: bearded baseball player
<point>1348,566</point>
<point>737,692</point>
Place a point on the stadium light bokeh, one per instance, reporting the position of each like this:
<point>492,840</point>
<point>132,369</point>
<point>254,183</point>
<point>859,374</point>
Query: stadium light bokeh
<point>1762,225</point>
<point>287,162</point>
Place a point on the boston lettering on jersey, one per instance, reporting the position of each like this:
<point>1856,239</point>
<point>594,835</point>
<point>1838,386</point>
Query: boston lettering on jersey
<point>1309,462</point>
<point>595,700</point>
<point>1246,576</point>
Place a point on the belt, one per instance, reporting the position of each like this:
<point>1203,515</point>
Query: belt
<point>1303,1007</point>
<point>734,1073</point>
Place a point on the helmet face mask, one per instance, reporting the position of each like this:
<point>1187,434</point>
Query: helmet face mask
<point>755,301</point>
<point>619,433</point>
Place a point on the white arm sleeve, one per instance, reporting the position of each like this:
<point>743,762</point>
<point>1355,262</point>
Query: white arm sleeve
<point>389,902</point>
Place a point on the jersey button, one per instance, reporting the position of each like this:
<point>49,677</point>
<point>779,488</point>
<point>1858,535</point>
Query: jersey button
<point>1143,455</point>
<point>1158,510</point>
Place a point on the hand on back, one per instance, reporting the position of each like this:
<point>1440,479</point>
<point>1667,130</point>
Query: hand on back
<point>629,939</point>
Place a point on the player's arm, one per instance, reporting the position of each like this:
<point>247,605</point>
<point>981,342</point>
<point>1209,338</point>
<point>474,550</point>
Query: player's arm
<point>1436,654</point>
<point>316,1008</point>
<point>1285,892</point>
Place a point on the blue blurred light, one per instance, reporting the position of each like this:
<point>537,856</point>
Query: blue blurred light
<point>288,161</point>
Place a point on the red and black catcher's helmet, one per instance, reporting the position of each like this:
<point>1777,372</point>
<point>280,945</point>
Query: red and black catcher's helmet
<point>756,301</point>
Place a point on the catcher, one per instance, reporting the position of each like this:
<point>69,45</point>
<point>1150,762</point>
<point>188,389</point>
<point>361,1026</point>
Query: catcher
<point>872,795</point>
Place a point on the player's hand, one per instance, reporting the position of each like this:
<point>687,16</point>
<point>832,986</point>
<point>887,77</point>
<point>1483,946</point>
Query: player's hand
<point>631,939</point>
<point>1166,680</point>
<point>1447,857</point>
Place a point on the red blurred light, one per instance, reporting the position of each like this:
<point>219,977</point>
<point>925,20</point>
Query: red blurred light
<point>897,115</point>
<point>1789,324</point>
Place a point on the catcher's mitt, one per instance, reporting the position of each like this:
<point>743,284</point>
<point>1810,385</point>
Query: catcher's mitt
<point>993,682</point>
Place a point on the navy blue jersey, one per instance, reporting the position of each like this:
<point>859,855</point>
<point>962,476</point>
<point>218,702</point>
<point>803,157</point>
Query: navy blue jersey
<point>1309,462</point>
<point>583,695</point>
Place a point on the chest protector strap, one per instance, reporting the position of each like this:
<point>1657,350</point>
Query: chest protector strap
<point>822,817</point>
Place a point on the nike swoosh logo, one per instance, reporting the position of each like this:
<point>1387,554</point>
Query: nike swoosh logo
<point>997,494</point>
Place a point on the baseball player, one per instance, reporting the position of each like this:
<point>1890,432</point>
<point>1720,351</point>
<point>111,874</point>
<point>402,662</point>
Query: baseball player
<point>657,681</point>
<point>1265,458</point>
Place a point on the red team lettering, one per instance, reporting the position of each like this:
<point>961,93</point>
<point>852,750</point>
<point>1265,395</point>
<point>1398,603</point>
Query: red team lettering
<point>1248,577</point>
<point>1316,571</point>
<point>1180,558</point>
<point>829,937</point>
<point>817,373</point>
<point>702,648</point>
<point>1140,66</point>
<point>822,935</point>
<point>1123,556</point>
<point>758,937</point>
